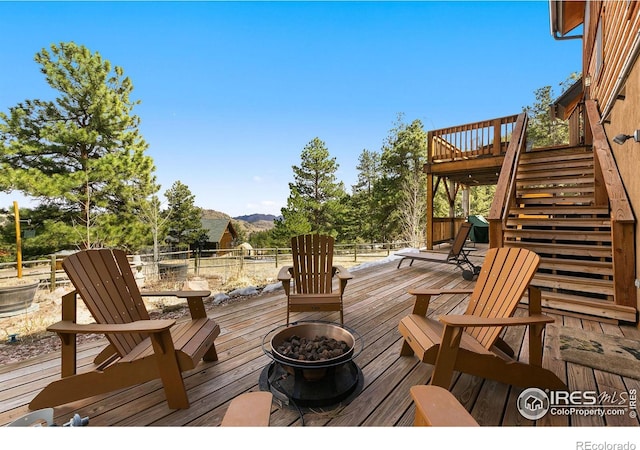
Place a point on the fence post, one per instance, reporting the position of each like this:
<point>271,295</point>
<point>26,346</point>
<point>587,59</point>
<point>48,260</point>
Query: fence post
<point>52,284</point>
<point>355,252</point>
<point>277,257</point>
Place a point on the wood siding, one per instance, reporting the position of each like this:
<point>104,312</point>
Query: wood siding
<point>610,49</point>
<point>611,33</point>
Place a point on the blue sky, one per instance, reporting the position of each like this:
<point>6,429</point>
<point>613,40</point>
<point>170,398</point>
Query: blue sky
<point>231,92</point>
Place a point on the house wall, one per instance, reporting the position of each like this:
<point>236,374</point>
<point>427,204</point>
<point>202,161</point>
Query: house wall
<point>611,29</point>
<point>625,118</point>
<point>226,240</point>
<point>611,36</point>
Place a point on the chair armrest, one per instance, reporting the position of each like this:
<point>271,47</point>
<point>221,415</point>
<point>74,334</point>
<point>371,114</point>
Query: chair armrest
<point>342,273</point>
<point>285,276</point>
<point>139,326</point>
<point>423,297</point>
<point>432,292</point>
<point>460,320</point>
<point>194,300</point>
<point>285,273</point>
<point>179,294</point>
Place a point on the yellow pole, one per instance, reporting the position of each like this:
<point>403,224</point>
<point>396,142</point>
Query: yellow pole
<point>18,241</point>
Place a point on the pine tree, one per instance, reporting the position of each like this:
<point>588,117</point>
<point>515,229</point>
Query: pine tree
<point>184,218</point>
<point>362,206</point>
<point>543,130</point>
<point>316,200</point>
<point>402,187</point>
<point>83,151</point>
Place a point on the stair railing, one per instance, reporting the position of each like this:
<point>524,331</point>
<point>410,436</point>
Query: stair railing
<point>506,187</point>
<point>610,191</point>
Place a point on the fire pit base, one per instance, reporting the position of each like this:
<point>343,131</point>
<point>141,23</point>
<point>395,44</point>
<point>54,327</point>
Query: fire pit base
<point>338,386</point>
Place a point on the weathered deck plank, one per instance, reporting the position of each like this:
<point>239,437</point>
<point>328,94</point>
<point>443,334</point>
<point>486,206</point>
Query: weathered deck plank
<point>375,301</point>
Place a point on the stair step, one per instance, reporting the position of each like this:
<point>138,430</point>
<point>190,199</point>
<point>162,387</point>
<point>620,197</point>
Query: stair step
<point>573,167</point>
<point>555,173</point>
<point>558,235</point>
<point>562,210</point>
<point>575,284</point>
<point>557,154</point>
<point>595,267</point>
<point>576,223</point>
<point>554,181</point>
<point>544,249</point>
<point>584,188</point>
<point>548,199</point>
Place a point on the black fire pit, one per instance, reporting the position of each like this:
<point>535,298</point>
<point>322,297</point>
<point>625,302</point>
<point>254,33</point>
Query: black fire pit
<point>327,381</point>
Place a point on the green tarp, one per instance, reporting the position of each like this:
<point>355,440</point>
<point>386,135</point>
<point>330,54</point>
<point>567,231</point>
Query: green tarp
<point>480,230</point>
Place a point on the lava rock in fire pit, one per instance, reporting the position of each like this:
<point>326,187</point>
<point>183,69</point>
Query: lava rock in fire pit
<point>319,348</point>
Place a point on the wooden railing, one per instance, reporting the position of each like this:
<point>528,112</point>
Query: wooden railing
<point>610,191</point>
<point>506,187</point>
<point>445,228</point>
<point>489,137</point>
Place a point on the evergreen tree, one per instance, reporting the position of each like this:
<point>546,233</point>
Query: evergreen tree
<point>543,130</point>
<point>361,217</point>
<point>81,152</point>
<point>402,187</point>
<point>152,215</point>
<point>316,200</point>
<point>184,218</point>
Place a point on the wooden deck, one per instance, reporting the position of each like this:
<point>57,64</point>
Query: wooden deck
<point>375,300</point>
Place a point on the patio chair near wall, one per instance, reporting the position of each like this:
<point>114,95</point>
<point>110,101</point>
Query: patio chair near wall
<point>472,342</point>
<point>139,349</point>
<point>313,273</point>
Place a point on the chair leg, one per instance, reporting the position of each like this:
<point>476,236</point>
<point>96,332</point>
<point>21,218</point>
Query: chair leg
<point>446,359</point>
<point>169,370</point>
<point>406,349</point>
<point>212,354</point>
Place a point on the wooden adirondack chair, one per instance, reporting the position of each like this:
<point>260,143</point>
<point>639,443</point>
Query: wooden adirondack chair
<point>471,343</point>
<point>139,349</point>
<point>437,407</point>
<point>312,273</point>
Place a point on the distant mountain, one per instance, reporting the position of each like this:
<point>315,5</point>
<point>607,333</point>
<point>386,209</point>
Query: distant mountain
<point>250,223</point>
<point>252,218</point>
<point>213,214</point>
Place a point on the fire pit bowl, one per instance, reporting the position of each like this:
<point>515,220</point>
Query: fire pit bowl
<point>312,331</point>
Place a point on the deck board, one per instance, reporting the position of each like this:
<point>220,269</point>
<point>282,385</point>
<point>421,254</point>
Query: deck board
<point>375,301</point>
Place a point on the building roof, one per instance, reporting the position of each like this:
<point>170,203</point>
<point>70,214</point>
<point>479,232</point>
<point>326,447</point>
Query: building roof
<point>217,227</point>
<point>564,105</point>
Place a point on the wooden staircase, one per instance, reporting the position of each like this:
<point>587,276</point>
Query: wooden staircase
<point>554,214</point>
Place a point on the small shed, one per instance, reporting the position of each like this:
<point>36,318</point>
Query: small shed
<point>220,234</point>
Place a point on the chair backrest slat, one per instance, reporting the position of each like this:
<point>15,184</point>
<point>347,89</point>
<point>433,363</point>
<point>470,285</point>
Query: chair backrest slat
<point>312,263</point>
<point>106,284</point>
<point>460,239</point>
<point>503,280</point>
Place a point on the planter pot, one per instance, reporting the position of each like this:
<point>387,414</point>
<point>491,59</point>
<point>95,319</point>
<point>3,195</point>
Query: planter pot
<point>173,271</point>
<point>18,297</point>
